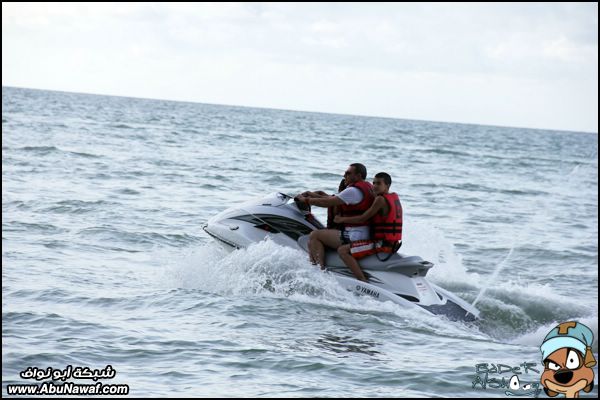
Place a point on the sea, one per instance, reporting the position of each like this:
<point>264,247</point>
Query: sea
<point>105,262</point>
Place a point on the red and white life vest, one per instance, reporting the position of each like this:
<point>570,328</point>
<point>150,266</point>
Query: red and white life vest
<point>388,227</point>
<point>351,210</point>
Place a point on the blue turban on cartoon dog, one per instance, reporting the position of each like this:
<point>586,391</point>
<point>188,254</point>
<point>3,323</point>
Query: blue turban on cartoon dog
<point>570,334</point>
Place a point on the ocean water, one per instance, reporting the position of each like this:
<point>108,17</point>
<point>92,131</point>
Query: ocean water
<point>104,261</point>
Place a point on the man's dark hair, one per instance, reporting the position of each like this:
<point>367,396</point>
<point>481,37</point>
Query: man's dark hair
<point>386,178</point>
<point>361,169</point>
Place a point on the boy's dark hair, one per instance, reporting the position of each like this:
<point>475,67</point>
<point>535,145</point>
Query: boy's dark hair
<point>361,169</point>
<point>386,178</point>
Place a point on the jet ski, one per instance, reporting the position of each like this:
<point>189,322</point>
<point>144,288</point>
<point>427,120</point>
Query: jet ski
<point>400,278</point>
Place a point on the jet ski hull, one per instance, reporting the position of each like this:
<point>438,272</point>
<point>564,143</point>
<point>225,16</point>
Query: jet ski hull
<point>400,279</point>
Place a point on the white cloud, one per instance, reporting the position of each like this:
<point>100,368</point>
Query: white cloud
<point>566,50</point>
<point>381,59</point>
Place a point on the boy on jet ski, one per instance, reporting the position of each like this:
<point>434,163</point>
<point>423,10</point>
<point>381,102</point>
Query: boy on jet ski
<point>385,215</point>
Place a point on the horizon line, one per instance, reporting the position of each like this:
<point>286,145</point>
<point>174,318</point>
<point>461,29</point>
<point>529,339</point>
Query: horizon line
<point>304,111</point>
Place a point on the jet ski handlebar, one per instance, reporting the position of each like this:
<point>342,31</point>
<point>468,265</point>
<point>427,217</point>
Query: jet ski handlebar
<point>302,206</point>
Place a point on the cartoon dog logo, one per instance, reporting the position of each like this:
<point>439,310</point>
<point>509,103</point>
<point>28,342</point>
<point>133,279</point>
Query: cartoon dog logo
<point>568,360</point>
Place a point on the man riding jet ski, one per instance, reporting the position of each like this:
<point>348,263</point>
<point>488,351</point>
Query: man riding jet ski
<point>398,278</point>
<point>376,210</point>
<point>354,200</point>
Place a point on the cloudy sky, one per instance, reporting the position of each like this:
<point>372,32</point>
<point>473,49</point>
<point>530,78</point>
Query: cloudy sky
<point>525,65</point>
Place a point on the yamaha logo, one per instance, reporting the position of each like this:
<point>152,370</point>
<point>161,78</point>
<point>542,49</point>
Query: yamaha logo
<point>364,290</point>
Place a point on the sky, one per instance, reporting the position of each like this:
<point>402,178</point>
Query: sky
<point>529,65</point>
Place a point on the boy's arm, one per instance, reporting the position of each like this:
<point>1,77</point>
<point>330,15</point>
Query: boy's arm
<point>377,205</point>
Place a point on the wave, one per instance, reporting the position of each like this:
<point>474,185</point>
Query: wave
<point>266,269</point>
<point>79,206</point>
<point>31,227</point>
<point>113,234</point>
<point>326,175</point>
<point>46,150</point>
<point>535,337</point>
<point>508,309</point>
<point>121,126</point>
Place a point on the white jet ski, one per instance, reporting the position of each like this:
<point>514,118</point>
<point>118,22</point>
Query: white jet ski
<point>400,278</point>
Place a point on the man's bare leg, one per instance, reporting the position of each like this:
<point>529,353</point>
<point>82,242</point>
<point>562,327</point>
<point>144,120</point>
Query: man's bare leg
<point>344,252</point>
<point>311,257</point>
<point>321,238</point>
